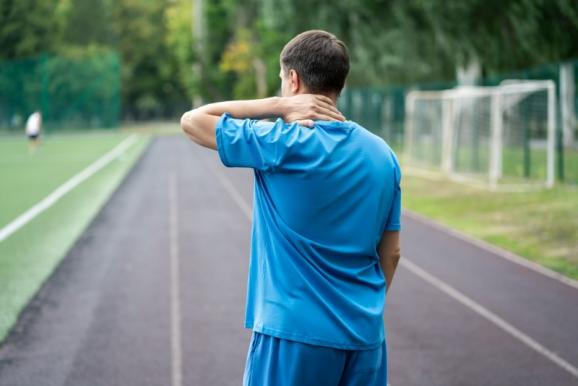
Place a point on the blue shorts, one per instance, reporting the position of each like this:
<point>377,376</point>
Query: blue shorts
<point>273,361</point>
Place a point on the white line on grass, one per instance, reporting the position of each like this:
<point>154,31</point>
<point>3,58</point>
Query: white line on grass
<point>446,288</point>
<point>69,185</point>
<point>487,314</point>
<point>176,362</point>
<point>493,249</point>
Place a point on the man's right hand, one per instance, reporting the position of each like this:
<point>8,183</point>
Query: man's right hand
<point>305,108</point>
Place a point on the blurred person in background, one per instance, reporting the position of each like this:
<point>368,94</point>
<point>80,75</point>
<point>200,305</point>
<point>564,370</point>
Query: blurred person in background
<point>326,221</point>
<point>33,131</point>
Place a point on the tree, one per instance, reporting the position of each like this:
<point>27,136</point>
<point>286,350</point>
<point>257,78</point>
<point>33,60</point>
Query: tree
<point>28,27</point>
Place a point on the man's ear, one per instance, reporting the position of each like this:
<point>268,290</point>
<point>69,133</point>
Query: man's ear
<point>295,81</point>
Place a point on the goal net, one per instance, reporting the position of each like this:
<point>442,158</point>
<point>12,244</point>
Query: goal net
<point>500,136</point>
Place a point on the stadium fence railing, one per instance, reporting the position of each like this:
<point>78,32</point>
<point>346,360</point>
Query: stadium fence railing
<point>73,91</point>
<point>383,109</point>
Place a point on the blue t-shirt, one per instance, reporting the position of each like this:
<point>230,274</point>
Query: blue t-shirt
<point>323,197</point>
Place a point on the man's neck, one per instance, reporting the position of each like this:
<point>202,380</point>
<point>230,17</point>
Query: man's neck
<point>332,96</point>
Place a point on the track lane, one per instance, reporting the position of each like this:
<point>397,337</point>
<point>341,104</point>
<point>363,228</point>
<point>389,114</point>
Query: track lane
<point>104,317</point>
<point>512,291</point>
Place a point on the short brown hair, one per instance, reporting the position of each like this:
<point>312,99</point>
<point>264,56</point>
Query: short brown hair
<point>320,59</point>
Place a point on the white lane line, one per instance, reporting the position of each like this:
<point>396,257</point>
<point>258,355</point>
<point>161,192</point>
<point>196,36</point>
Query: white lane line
<point>493,249</point>
<point>447,289</point>
<point>487,314</point>
<point>176,350</point>
<point>69,185</point>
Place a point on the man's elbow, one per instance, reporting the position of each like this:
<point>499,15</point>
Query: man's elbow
<point>189,126</point>
<point>391,256</point>
<point>397,257</point>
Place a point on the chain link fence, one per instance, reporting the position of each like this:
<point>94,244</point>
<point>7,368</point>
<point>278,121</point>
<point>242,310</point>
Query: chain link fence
<point>77,91</point>
<point>382,111</point>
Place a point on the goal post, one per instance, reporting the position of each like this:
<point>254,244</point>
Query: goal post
<point>498,137</point>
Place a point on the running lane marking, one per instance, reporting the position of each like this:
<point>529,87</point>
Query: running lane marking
<point>496,251</point>
<point>439,284</point>
<point>69,185</point>
<point>489,315</point>
<point>176,350</point>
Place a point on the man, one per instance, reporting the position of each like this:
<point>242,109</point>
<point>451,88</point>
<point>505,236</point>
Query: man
<point>33,128</point>
<point>326,220</point>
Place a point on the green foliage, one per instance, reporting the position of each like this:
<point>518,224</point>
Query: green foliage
<point>238,58</point>
<point>27,28</point>
<point>179,40</point>
<point>244,56</point>
<point>152,37</point>
<point>409,41</point>
<point>148,66</point>
<point>88,22</point>
<point>390,41</point>
<point>503,35</point>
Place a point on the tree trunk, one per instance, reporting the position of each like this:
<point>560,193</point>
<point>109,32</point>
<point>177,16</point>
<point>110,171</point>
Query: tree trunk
<point>260,77</point>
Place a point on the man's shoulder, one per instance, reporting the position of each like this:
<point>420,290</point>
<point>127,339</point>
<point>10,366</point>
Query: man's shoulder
<point>373,138</point>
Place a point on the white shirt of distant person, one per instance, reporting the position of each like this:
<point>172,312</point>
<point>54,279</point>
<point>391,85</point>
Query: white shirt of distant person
<point>33,131</point>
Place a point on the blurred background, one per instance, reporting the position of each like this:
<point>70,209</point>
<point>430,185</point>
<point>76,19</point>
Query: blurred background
<point>477,98</point>
<point>140,60</point>
<point>111,64</point>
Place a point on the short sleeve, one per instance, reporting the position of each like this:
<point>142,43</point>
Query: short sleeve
<point>251,143</point>
<point>393,222</point>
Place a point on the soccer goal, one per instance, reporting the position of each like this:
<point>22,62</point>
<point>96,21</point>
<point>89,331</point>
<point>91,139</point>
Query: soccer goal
<point>502,136</point>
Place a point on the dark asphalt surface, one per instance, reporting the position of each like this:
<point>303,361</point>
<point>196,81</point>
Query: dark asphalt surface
<point>104,317</point>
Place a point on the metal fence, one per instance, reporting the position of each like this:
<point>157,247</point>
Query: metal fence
<point>76,91</point>
<point>382,111</point>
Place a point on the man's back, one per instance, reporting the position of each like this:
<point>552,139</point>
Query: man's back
<point>338,192</point>
<point>323,198</point>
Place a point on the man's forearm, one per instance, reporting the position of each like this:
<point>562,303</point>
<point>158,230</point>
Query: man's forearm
<point>256,108</point>
<point>199,124</point>
<point>389,265</point>
<point>389,254</point>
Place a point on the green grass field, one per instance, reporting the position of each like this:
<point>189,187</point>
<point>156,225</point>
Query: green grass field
<point>29,255</point>
<point>541,225</point>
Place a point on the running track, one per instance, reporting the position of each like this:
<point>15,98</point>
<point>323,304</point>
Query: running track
<point>153,294</point>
